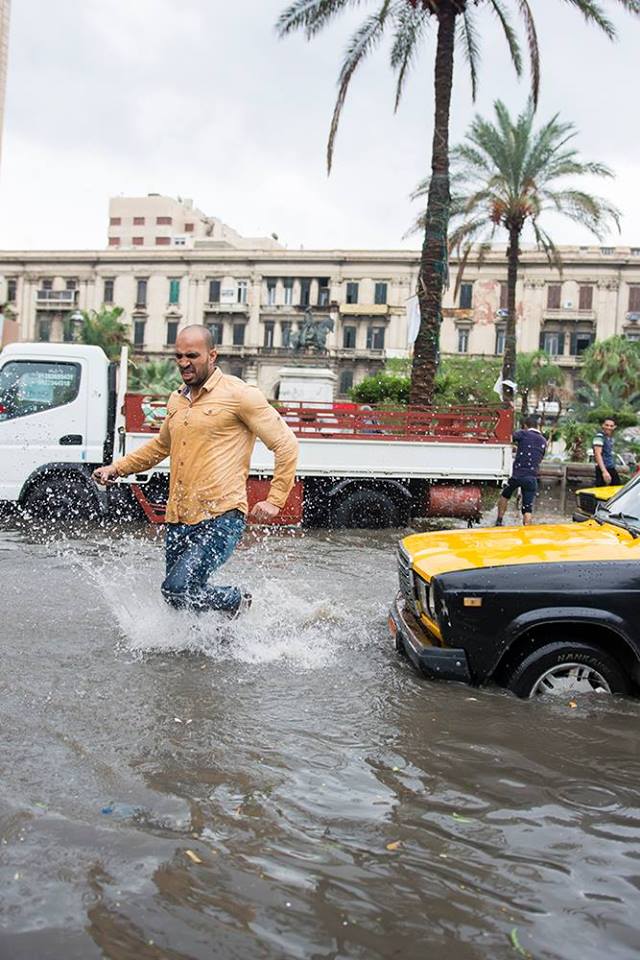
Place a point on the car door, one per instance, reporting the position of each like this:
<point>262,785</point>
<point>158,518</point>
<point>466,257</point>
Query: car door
<point>43,417</point>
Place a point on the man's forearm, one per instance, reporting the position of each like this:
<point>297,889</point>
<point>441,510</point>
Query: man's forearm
<point>284,473</point>
<point>145,457</point>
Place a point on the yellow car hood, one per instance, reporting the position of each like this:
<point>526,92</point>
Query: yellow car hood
<point>600,493</point>
<point>435,553</point>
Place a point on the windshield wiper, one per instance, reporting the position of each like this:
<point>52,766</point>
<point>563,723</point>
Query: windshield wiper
<point>624,516</point>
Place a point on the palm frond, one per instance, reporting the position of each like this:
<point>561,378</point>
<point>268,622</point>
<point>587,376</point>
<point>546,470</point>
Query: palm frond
<point>410,23</point>
<point>361,44</point>
<point>534,48</point>
<point>469,38</point>
<point>310,15</point>
<point>509,33</point>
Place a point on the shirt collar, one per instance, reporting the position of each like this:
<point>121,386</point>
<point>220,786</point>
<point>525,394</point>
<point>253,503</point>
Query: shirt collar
<point>208,385</point>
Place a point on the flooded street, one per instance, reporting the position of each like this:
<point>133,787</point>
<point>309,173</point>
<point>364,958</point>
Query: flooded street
<point>285,786</point>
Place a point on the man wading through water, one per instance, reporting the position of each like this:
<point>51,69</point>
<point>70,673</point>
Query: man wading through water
<point>210,429</point>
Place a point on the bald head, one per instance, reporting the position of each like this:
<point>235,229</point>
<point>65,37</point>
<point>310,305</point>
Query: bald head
<point>195,354</point>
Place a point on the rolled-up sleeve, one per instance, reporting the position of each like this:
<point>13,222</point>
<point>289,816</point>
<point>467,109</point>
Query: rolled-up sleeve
<point>148,455</point>
<point>267,424</point>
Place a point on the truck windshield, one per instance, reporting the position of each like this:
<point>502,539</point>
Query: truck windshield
<point>31,386</point>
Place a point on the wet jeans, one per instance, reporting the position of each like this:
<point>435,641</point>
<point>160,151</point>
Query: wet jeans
<point>193,552</point>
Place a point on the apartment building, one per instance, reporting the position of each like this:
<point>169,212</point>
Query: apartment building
<point>159,221</point>
<point>253,300</point>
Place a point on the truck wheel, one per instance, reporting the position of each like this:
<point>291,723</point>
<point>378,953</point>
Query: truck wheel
<point>60,498</point>
<point>568,668</point>
<point>366,508</point>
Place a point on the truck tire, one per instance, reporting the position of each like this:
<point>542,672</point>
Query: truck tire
<point>60,498</point>
<point>366,508</point>
<point>568,668</point>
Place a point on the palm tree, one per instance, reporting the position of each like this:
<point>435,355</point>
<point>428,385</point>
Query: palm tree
<point>535,373</point>
<point>159,377</point>
<point>508,174</point>
<point>103,328</point>
<point>408,21</point>
<point>616,360</point>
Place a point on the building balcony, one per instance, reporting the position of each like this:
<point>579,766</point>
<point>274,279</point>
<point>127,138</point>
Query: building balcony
<point>56,298</point>
<point>234,308</point>
<point>571,314</point>
<point>364,309</point>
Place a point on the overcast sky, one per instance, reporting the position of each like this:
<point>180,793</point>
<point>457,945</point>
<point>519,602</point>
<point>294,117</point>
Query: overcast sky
<point>200,98</point>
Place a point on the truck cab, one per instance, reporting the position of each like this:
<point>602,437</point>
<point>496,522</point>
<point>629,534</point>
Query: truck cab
<point>57,402</point>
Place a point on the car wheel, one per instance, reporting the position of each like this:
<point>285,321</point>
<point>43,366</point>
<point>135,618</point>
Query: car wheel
<point>61,498</point>
<point>568,668</point>
<point>366,509</point>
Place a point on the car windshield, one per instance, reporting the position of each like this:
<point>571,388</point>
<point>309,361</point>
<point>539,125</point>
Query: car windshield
<point>624,507</point>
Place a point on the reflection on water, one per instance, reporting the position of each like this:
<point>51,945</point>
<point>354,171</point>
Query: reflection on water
<point>284,786</point>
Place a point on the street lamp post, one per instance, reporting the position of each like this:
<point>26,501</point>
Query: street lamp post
<point>76,320</point>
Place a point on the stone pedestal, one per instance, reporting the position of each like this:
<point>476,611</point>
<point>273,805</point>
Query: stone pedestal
<point>307,385</point>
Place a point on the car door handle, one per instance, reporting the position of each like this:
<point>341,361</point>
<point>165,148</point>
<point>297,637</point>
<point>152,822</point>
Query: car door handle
<point>70,440</point>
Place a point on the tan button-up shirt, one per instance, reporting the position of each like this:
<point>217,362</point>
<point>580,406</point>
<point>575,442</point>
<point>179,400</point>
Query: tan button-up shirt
<point>210,441</point>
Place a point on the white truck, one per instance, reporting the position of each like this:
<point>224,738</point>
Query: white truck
<point>64,409</point>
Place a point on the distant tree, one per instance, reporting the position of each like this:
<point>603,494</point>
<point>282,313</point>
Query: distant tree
<point>460,380</point>
<point>154,376</point>
<point>535,373</point>
<point>507,174</point>
<point>103,328</point>
<point>613,363</point>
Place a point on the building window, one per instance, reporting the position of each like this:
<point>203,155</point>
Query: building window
<point>138,221</point>
<point>114,241</point>
<point>463,339</point>
<point>288,291</point>
<point>137,241</point>
<point>466,296</point>
<point>552,342</point>
<point>285,333</point>
<point>305,293</point>
<point>585,297</point>
<point>634,298</point>
<point>172,332</point>
<point>346,382</point>
<point>380,293</point>
<point>138,333</point>
<point>635,251</point>
<point>12,290</point>
<point>214,291</point>
<point>174,290</point>
<point>375,338</point>
<point>633,336</point>
<point>237,370</point>
<point>504,296</point>
<point>46,284</point>
<point>271,291</point>
<point>188,227</point>
<point>238,334</point>
<point>163,241</point>
<point>217,330</point>
<point>554,296</point>
<point>323,292</point>
<point>269,329</point>
<point>115,221</point>
<point>349,338</point>
<point>242,292</point>
<point>141,293</point>
<point>179,241</point>
<point>579,342</point>
<point>71,284</point>
<point>352,292</point>
<point>108,290</point>
<point>500,340</point>
<point>44,329</point>
<point>607,251</point>
<point>164,221</point>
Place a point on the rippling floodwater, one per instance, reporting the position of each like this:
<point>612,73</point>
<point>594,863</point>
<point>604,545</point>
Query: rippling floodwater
<point>285,786</point>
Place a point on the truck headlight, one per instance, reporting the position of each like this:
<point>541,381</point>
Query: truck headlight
<point>426,596</point>
<point>431,602</point>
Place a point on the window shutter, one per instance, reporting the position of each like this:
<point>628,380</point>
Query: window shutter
<point>541,344</point>
<point>573,349</point>
<point>560,344</point>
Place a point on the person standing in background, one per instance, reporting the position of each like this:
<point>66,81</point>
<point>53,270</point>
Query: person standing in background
<point>603,455</point>
<point>530,449</point>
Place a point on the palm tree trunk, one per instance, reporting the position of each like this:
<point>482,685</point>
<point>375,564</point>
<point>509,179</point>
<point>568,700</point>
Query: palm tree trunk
<point>509,361</point>
<point>434,259</point>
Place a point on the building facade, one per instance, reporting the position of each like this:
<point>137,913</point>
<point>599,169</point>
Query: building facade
<point>253,300</point>
<point>5,11</point>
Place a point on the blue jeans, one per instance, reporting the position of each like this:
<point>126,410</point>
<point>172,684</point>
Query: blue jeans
<point>193,552</point>
<point>529,488</point>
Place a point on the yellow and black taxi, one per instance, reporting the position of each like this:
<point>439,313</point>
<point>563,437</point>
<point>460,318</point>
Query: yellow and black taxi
<point>540,609</point>
<point>589,498</point>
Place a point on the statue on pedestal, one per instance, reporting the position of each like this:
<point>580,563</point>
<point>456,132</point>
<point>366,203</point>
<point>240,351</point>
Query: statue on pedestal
<point>312,333</point>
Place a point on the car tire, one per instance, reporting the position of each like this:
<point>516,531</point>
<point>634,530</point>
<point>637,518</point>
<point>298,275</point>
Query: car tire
<point>568,668</point>
<point>369,509</point>
<point>61,498</point>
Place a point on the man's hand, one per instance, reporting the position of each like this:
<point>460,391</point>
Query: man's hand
<point>606,476</point>
<point>264,511</point>
<point>105,475</point>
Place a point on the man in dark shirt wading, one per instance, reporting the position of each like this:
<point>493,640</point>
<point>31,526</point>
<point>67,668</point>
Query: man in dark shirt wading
<point>531,448</point>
